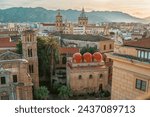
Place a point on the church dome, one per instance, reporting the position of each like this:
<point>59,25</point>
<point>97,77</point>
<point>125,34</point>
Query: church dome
<point>77,57</point>
<point>87,57</point>
<point>97,56</point>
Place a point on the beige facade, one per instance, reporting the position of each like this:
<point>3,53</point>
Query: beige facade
<point>82,19</point>
<point>59,22</point>
<point>85,77</point>
<point>125,50</point>
<point>19,73</point>
<point>29,47</point>
<point>131,70</point>
<point>68,29</point>
<point>15,82</point>
<point>60,66</point>
<point>125,74</point>
<point>106,46</point>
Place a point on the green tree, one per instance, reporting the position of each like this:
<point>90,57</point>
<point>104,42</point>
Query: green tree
<point>88,49</point>
<point>41,93</point>
<point>19,47</point>
<point>56,86</point>
<point>47,47</point>
<point>64,92</point>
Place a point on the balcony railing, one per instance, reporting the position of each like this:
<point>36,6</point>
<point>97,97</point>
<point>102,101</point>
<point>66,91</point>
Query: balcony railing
<point>132,57</point>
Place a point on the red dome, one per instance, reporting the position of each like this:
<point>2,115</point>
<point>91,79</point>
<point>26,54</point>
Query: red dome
<point>97,56</point>
<point>77,57</point>
<point>87,57</point>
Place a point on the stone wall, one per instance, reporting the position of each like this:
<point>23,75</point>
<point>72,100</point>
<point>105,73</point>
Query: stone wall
<point>85,83</point>
<point>124,80</point>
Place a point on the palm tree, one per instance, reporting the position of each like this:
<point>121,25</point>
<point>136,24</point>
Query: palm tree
<point>46,49</point>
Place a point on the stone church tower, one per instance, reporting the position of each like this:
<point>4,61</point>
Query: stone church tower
<point>83,20</point>
<point>29,47</point>
<point>59,22</point>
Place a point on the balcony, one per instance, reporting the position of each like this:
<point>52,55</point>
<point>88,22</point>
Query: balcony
<point>132,57</point>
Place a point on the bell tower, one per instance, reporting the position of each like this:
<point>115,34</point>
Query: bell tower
<point>59,22</point>
<point>29,48</point>
<point>82,19</point>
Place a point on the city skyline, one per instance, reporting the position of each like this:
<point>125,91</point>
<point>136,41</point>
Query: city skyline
<point>135,8</point>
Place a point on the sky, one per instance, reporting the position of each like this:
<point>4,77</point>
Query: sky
<point>138,8</point>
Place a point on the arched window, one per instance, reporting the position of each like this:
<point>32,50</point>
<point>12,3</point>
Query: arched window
<point>31,37</point>
<point>104,47</point>
<point>110,46</point>
<point>100,75</point>
<point>29,52</point>
<point>31,69</point>
<point>80,77</point>
<point>100,87</point>
<point>90,76</point>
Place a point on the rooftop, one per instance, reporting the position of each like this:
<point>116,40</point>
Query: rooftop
<point>47,24</point>
<point>132,58</point>
<point>141,43</point>
<point>6,43</point>
<point>9,32</point>
<point>64,50</point>
<point>92,38</point>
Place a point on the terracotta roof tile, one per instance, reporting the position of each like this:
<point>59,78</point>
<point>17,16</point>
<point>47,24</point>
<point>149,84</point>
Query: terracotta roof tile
<point>63,50</point>
<point>9,32</point>
<point>5,43</point>
<point>142,43</point>
<point>44,24</point>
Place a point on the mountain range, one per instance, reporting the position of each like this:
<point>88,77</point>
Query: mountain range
<point>39,14</point>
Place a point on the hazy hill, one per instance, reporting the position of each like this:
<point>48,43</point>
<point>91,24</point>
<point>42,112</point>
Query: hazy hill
<point>147,19</point>
<point>19,14</point>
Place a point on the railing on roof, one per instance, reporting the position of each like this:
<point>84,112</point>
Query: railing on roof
<point>132,57</point>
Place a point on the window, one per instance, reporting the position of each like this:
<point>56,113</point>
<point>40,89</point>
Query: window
<point>31,38</point>
<point>141,85</point>
<point>139,53</point>
<point>31,70</point>
<point>28,38</point>
<point>110,46</point>
<point>3,80</point>
<point>14,78</point>
<point>142,54</point>
<point>145,55</point>
<point>29,52</point>
<point>100,75</point>
<point>80,77</point>
<point>90,76</point>
<point>104,47</point>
